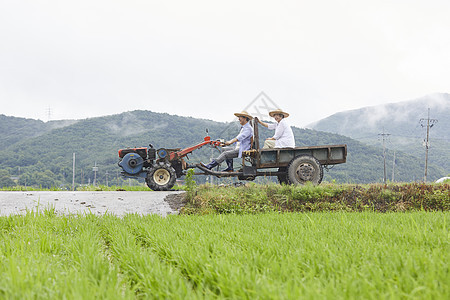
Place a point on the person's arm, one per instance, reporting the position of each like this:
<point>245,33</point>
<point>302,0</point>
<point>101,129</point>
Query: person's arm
<point>227,143</point>
<point>279,131</point>
<point>262,123</point>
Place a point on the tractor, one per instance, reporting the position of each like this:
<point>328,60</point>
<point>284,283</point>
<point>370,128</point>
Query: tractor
<point>161,167</point>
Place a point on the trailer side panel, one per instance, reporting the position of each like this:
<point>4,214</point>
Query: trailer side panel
<point>327,155</point>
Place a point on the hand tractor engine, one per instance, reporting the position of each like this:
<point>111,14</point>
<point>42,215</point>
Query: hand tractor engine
<point>161,167</point>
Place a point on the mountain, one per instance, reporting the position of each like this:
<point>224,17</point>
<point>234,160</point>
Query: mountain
<point>43,154</point>
<point>16,129</point>
<point>404,121</point>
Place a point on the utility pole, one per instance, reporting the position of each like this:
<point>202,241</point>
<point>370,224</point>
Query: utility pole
<point>106,178</point>
<point>393,167</point>
<point>384,136</point>
<point>430,123</point>
<point>73,173</point>
<point>95,169</point>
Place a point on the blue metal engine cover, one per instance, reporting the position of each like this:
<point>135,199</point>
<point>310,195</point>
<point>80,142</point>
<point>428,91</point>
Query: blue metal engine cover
<point>132,163</point>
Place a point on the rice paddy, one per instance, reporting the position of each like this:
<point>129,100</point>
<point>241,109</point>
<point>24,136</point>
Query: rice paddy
<point>320,255</point>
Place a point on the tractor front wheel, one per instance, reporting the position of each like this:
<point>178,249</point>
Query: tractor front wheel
<point>161,177</point>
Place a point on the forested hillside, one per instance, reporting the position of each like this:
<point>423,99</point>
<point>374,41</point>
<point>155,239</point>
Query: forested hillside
<point>43,156</point>
<point>14,129</point>
<point>402,121</point>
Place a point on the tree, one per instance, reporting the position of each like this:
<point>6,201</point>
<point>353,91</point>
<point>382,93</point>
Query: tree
<point>5,179</point>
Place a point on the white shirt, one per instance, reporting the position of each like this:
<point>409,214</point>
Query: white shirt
<point>284,137</point>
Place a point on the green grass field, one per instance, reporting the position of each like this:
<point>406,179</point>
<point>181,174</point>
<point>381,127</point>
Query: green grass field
<point>328,255</point>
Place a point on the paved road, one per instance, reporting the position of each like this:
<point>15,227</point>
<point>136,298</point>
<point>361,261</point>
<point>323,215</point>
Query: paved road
<point>117,203</point>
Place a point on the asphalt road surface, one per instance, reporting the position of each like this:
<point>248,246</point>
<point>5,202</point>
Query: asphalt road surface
<point>118,203</point>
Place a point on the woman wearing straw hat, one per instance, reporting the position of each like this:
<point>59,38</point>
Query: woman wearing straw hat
<point>244,138</point>
<point>283,137</point>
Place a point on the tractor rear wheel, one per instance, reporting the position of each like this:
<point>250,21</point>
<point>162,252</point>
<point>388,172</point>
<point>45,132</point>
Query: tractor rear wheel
<point>304,168</point>
<point>161,177</point>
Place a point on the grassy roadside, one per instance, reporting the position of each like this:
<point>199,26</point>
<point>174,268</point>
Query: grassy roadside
<point>254,198</point>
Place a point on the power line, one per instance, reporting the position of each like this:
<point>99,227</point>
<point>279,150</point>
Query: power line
<point>430,123</point>
<point>399,135</point>
<point>364,137</point>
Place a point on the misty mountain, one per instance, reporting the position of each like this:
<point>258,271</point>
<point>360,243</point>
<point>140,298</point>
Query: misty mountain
<point>44,156</point>
<point>404,121</point>
<point>14,130</point>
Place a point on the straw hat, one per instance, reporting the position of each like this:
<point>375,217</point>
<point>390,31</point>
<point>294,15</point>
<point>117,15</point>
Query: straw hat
<point>243,114</point>
<point>278,112</point>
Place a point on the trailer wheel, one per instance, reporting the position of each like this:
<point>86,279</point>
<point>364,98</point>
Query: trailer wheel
<point>304,168</point>
<point>283,178</point>
<point>161,177</point>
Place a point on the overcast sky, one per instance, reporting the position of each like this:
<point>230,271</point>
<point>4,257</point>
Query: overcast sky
<point>209,59</point>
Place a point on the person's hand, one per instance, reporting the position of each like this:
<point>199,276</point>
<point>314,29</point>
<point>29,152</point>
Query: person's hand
<point>229,142</point>
<point>262,123</point>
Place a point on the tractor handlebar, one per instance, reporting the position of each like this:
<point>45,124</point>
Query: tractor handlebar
<point>186,151</point>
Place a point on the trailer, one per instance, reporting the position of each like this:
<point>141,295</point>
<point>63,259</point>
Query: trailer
<point>298,165</point>
<point>290,165</point>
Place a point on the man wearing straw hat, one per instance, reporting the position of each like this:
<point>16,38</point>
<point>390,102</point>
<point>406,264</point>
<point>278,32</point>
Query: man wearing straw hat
<point>283,137</point>
<point>244,138</point>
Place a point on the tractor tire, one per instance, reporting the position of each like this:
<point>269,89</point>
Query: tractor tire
<point>283,179</point>
<point>303,169</point>
<point>161,177</point>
